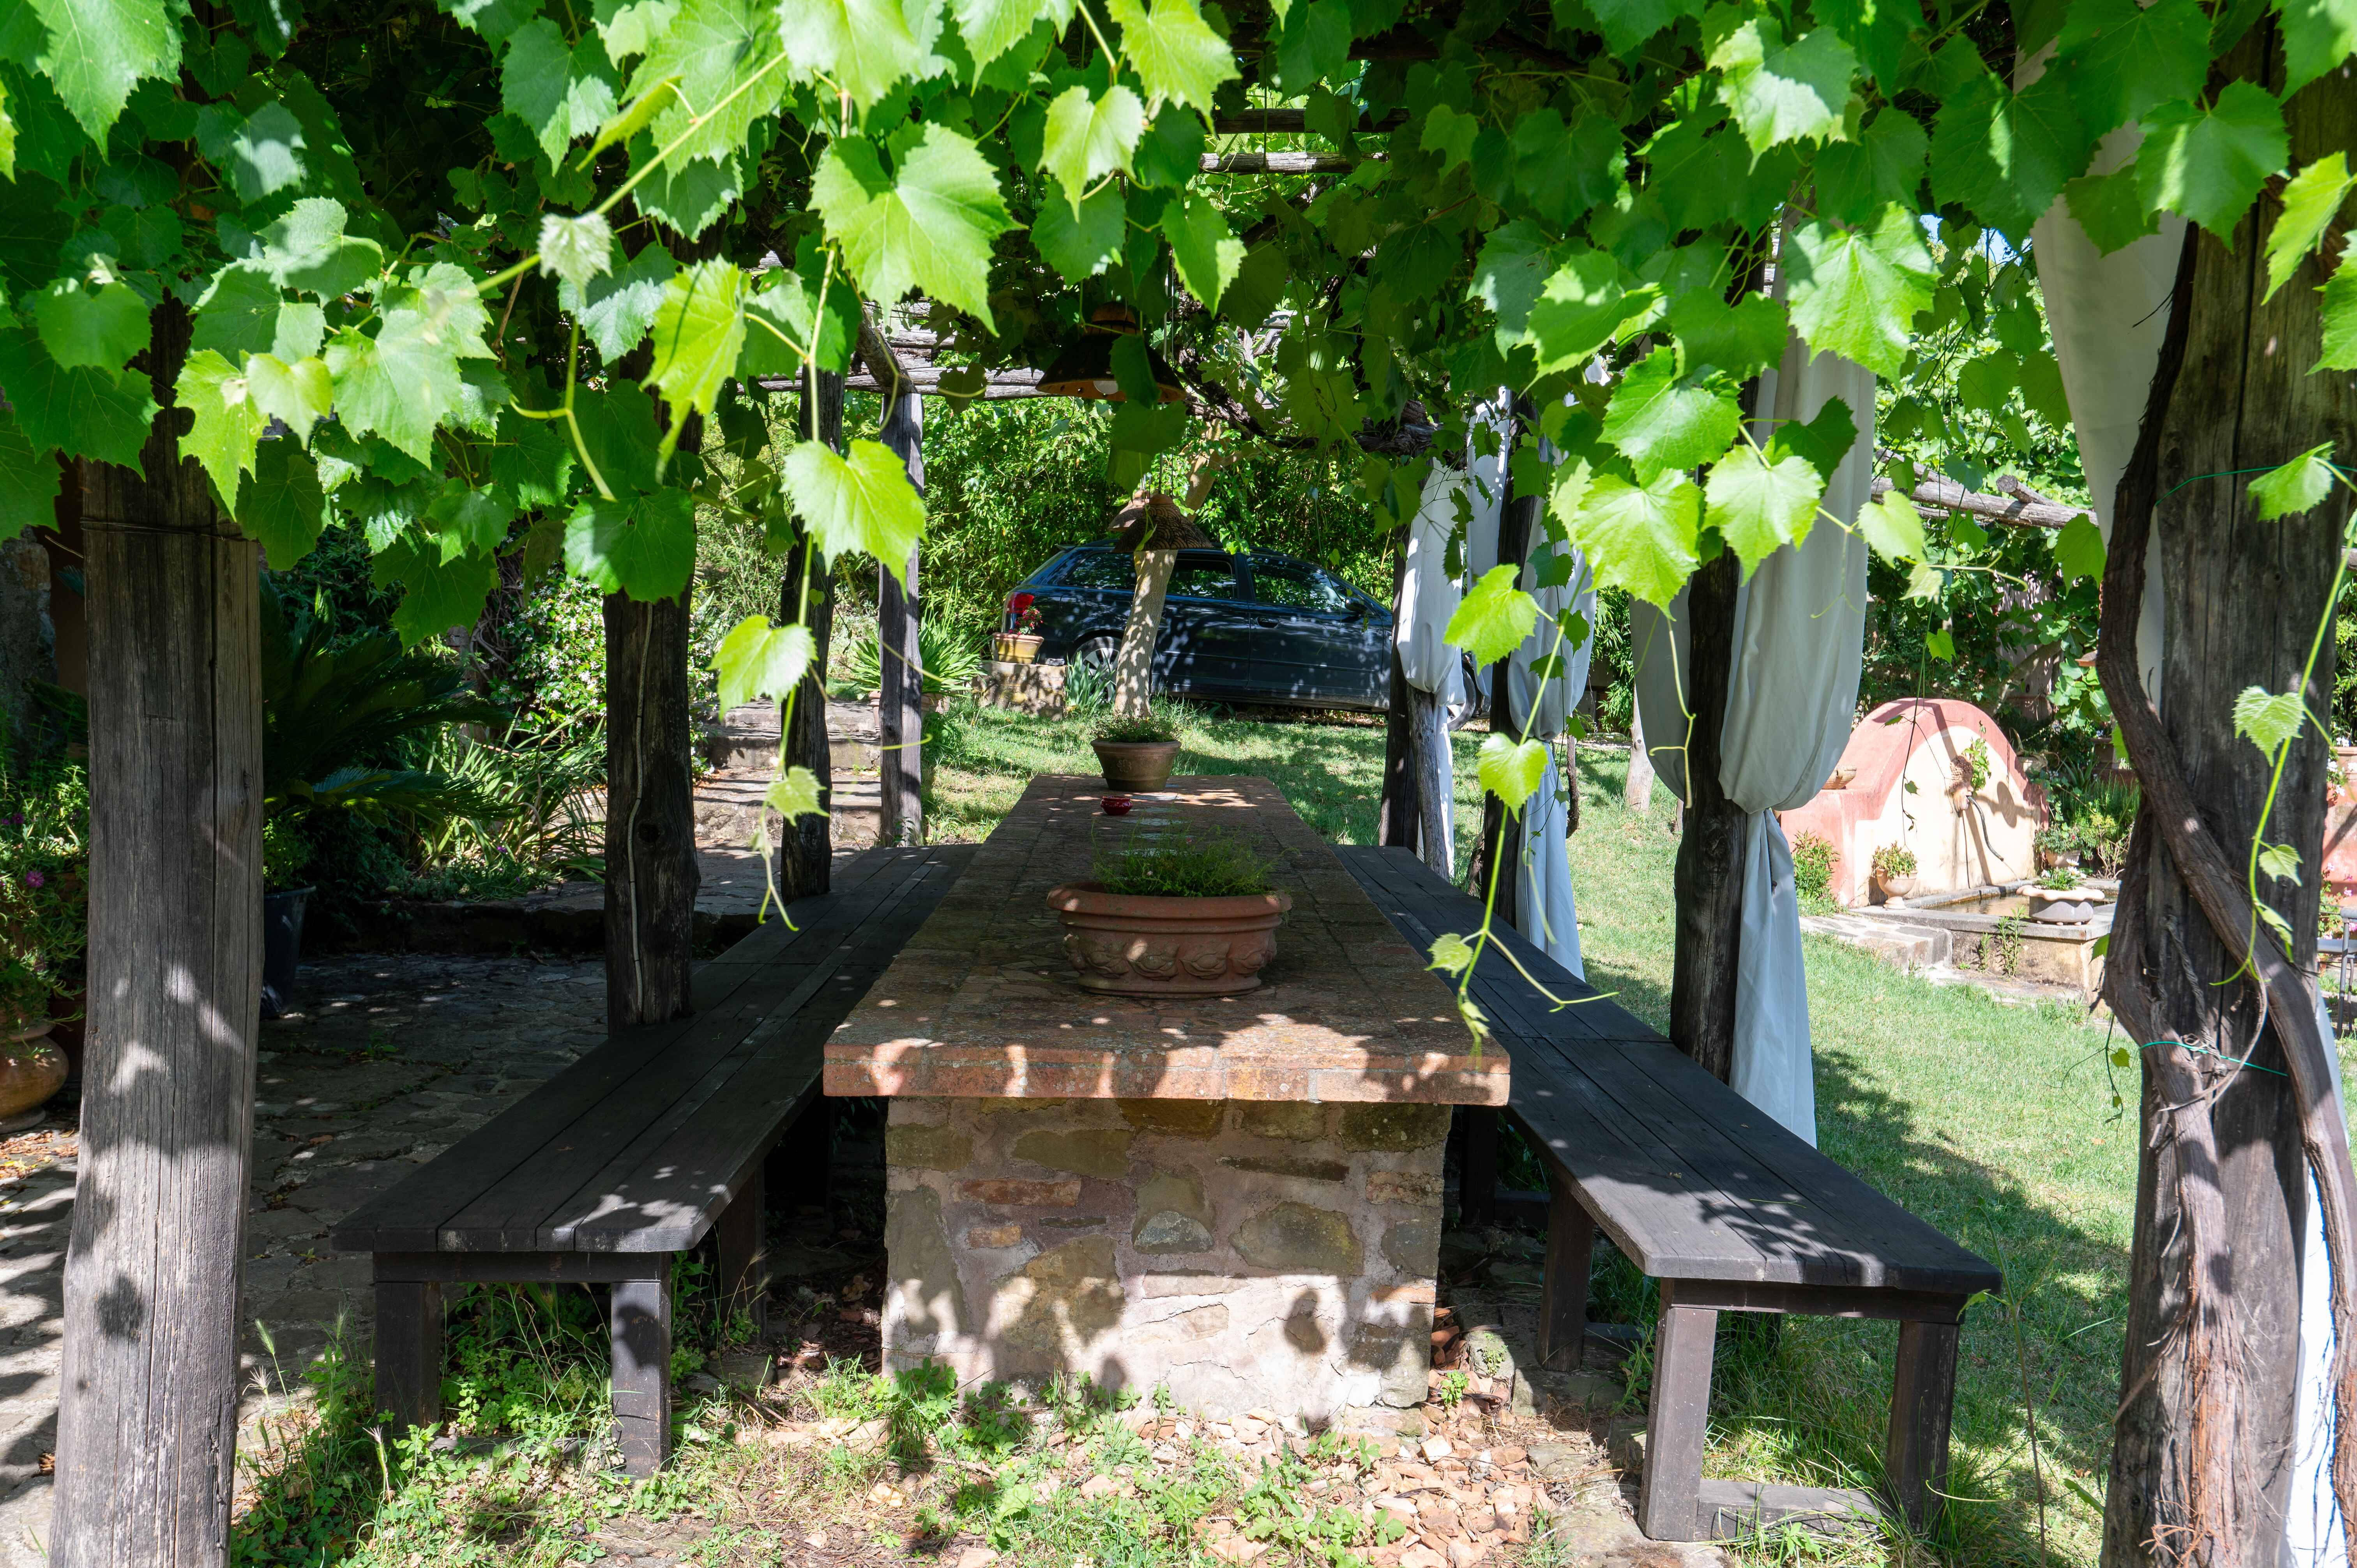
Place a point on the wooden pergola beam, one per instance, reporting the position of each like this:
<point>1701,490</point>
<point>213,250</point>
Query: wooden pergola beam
<point>1287,122</point>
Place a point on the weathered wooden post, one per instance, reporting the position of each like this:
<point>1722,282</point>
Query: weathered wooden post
<point>147,1401</point>
<point>805,849</point>
<point>1708,880</point>
<point>901,704</point>
<point>1399,812</point>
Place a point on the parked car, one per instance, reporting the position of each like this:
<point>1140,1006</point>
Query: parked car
<point>1255,628</point>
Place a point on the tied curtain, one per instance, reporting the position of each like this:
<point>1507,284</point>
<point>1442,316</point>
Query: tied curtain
<point>1800,628</point>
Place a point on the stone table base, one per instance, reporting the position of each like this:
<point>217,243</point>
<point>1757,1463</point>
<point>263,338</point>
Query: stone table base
<point>1247,1255</point>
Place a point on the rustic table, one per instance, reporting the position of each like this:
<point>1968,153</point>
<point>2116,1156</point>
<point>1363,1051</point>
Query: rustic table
<point>1234,1198</point>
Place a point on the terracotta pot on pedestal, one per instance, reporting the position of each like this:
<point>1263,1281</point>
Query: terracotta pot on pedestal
<point>1895,887</point>
<point>1143,945</point>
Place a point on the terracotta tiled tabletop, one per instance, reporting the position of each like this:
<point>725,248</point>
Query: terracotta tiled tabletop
<point>983,1003</point>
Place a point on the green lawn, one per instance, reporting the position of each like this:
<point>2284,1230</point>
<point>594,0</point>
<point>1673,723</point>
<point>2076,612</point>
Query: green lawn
<point>1995,1122</point>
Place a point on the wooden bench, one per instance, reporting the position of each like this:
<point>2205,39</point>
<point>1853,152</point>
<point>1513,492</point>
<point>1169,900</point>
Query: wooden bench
<point>636,1151</point>
<point>1726,1209</point>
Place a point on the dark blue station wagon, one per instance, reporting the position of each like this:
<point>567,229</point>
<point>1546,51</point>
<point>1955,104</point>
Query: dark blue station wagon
<point>1256,627</point>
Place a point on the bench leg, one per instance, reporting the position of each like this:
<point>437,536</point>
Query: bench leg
<point>741,1235</point>
<point>1562,1295</point>
<point>1476,1173</point>
<point>1923,1400</point>
<point>409,1351</point>
<point>641,1318</point>
<point>1670,1500</point>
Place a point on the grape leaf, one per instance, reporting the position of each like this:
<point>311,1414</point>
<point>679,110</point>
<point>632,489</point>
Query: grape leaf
<point>630,26</point>
<point>225,423</point>
<point>1877,29</point>
<point>1511,770</point>
<point>2340,291</point>
<point>1508,274</point>
<point>437,595</point>
<point>616,311</point>
<point>1628,23</point>
<point>2268,720</point>
<point>308,249</point>
<point>1494,617</point>
<point>860,502</point>
<point>2209,164</point>
<point>1856,292</point>
<point>561,93</point>
<point>1884,163</point>
<point>97,49</point>
<point>260,153</point>
<point>1579,310</point>
<point>2280,862</point>
<point>280,505</point>
<point>2295,486</point>
<point>1450,134</point>
<point>79,327</point>
<point>1822,442</point>
<point>2111,209</point>
<point>991,27</point>
<point>1892,526</point>
<point>297,395</point>
<point>1641,538</point>
<point>929,226</point>
<point>710,50</point>
<point>1738,338</point>
<point>1941,645</point>
<point>1082,246</point>
<point>575,248</point>
<point>1784,92</point>
<point>2125,59</point>
<point>1660,421</point>
<point>645,546</point>
<point>1174,52</point>
<point>864,46</point>
<point>698,332</point>
<point>796,796</point>
<point>2079,549</point>
<point>2006,156</point>
<point>532,459</point>
<point>28,482</point>
<point>2317,36</point>
<point>758,660</point>
<point>1088,137</point>
<point>1451,954</point>
<point>2312,200</point>
<point>84,412</point>
<point>1759,506</point>
<point>399,384</point>
<point>1207,254</point>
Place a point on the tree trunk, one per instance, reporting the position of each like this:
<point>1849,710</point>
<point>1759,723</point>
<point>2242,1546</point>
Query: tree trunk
<point>2204,1440</point>
<point>805,849</point>
<point>1397,813</point>
<point>1637,789</point>
<point>1708,881</point>
<point>1132,667</point>
<point>900,710</point>
<point>148,1408</point>
<point>651,874</point>
<point>1498,858</point>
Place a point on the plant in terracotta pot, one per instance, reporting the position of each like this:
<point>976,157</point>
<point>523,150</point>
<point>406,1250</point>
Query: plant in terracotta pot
<point>1894,871</point>
<point>1194,918</point>
<point>2058,845</point>
<point>1136,754</point>
<point>44,924</point>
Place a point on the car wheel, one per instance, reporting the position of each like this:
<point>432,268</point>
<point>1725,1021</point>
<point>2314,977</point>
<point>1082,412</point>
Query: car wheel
<point>1098,653</point>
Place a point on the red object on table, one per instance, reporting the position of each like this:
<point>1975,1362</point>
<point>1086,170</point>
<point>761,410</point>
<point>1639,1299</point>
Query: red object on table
<point>1116,805</point>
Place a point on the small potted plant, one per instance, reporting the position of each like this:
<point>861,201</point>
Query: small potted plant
<point>1894,871</point>
<point>2061,897</point>
<point>1192,918</point>
<point>43,922</point>
<point>2058,845</point>
<point>1019,643</point>
<point>1136,753</point>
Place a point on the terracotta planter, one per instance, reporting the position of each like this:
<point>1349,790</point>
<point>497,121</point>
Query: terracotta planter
<point>1015,647</point>
<point>31,1070</point>
<point>1840,777</point>
<point>1136,766</point>
<point>1895,887</point>
<point>1137,945</point>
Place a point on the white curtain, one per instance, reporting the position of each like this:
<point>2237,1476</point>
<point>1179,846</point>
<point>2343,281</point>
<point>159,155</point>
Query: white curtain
<point>1800,629</point>
<point>1545,910</point>
<point>1429,597</point>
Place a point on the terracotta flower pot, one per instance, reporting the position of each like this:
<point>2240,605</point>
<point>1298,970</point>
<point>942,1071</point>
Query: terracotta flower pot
<point>1895,887</point>
<point>1136,766</point>
<point>1141,945</point>
<point>1015,647</point>
<point>31,1070</point>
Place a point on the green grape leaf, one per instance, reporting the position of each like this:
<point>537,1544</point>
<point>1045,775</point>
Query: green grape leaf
<point>399,384</point>
<point>1628,23</point>
<point>1822,442</point>
<point>1782,92</point>
<point>28,482</point>
<point>280,506</point>
<point>437,595</point>
<point>1759,506</point>
<point>2281,861</point>
<point>1511,770</point>
<point>713,48</point>
<point>97,50</point>
<point>2209,164</point>
<point>532,459</point>
<point>2340,291</point>
<point>643,547</point>
<point>81,328</point>
<point>308,249</point>
<point>698,332</point>
<point>1892,526</point>
<point>2312,200</point>
<point>2079,550</point>
<point>575,248</point>
<point>1877,29</point>
<point>1089,137</point>
<point>1450,134</point>
<point>1452,955</point>
<point>225,423</point>
<point>2124,58</point>
<point>1641,539</point>
<point>860,502</point>
<point>1207,254</point>
<point>796,796</point>
<point>1856,292</point>
<point>991,27</point>
<point>2295,486</point>
<point>2317,36</point>
<point>929,226</point>
<point>1080,246</point>
<point>2266,719</point>
<point>615,312</point>
<point>84,412</point>
<point>561,93</point>
<point>1884,163</point>
<point>469,519</point>
<point>1494,617</point>
<point>1579,310</point>
<point>238,313</point>
<point>1258,289</point>
<point>1738,340</point>
<point>297,395</point>
<point>1941,645</point>
<point>1174,52</point>
<point>758,660</point>
<point>495,20</point>
<point>1658,421</point>
<point>260,153</point>
<point>2006,156</point>
<point>864,46</point>
<point>2111,209</point>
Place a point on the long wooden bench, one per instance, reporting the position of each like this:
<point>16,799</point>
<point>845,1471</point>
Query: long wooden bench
<point>636,1151</point>
<point>1725,1209</point>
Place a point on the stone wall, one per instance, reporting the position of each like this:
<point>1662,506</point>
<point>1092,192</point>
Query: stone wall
<point>1247,1255</point>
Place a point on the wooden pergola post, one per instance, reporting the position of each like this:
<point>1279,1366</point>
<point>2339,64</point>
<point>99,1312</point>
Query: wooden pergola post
<point>1708,881</point>
<point>1399,812</point>
<point>805,849</point>
<point>900,711</point>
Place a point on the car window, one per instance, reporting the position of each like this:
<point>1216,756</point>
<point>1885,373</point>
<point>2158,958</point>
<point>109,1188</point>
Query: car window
<point>1099,569</point>
<point>1203,578</point>
<point>1297,586</point>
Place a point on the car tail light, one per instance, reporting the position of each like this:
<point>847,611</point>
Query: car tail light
<point>1017,603</point>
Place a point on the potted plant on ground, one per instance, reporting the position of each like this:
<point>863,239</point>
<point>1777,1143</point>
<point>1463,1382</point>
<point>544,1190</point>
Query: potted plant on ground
<point>1019,643</point>
<point>1195,918</point>
<point>1136,754</point>
<point>44,925</point>
<point>1894,871</point>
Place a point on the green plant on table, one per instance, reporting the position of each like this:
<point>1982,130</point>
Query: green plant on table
<point>1893,861</point>
<point>2060,879</point>
<point>1130,729</point>
<point>1214,865</point>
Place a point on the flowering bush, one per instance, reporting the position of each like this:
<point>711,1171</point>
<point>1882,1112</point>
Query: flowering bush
<point>44,882</point>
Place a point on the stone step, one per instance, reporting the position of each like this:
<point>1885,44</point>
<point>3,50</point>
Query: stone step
<point>1900,943</point>
<point>728,809</point>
